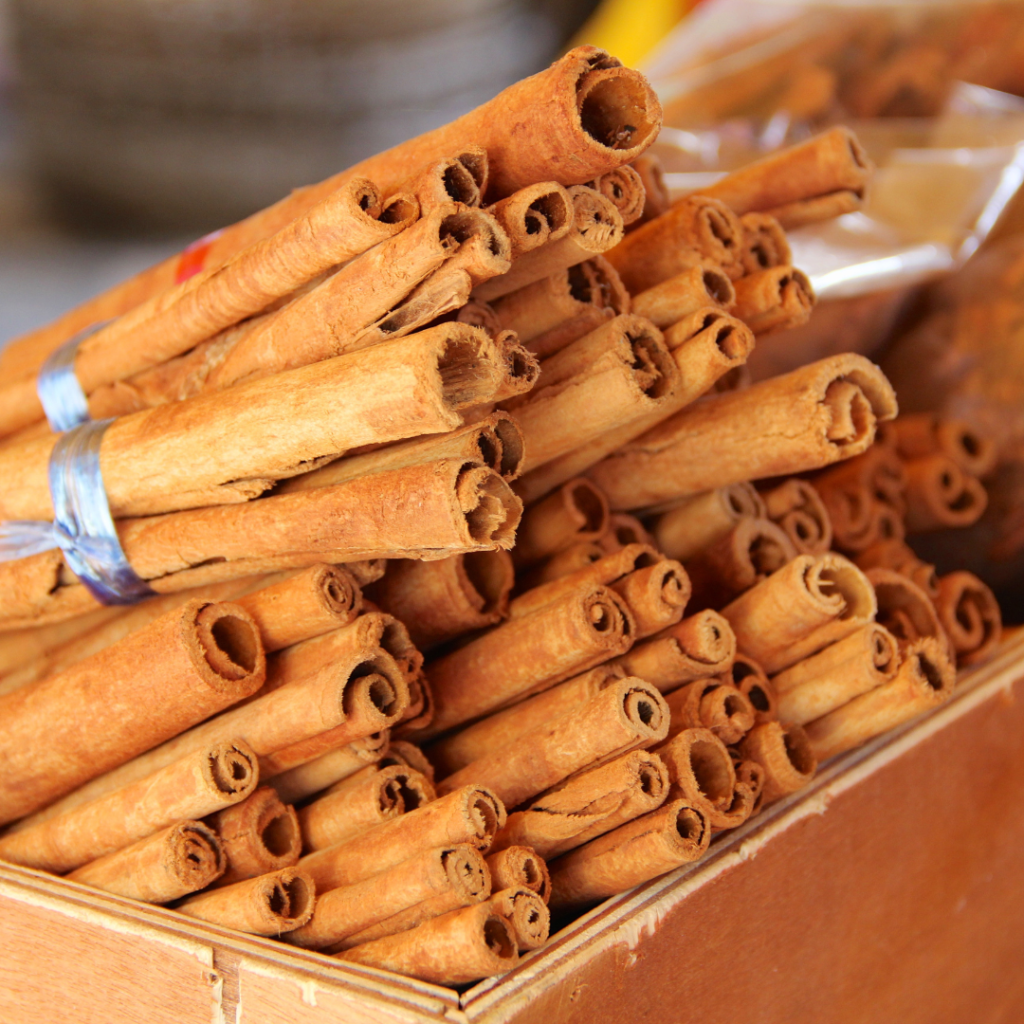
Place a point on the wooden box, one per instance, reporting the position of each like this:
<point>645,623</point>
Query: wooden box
<point>892,890</point>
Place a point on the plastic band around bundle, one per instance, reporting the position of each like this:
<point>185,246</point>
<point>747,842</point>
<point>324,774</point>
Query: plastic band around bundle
<point>82,526</point>
<point>61,395</point>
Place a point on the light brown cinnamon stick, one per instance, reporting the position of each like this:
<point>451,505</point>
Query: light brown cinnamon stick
<point>655,595</point>
<point>100,713</point>
<point>701,772</point>
<point>786,755</point>
<point>535,216</point>
<point>713,705</point>
<point>797,508</point>
<point>697,287</point>
<point>751,680</point>
<point>656,195</point>
<point>940,495</point>
<point>904,608</point>
<point>526,912</point>
<point>519,867</point>
<point>160,868</point>
<point>920,434</point>
<point>306,779</point>
<point>895,554</point>
<point>764,243</point>
<point>970,616</point>
<point>693,524</point>
<point>775,299</point>
<point>624,188</point>
<point>270,904</point>
<point>259,835</point>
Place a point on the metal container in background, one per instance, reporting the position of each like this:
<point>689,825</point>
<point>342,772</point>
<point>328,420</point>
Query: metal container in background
<point>178,116</point>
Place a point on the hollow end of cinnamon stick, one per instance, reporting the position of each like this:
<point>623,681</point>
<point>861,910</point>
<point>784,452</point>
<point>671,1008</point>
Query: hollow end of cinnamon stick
<point>785,754</point>
<point>751,680</point>
<point>230,644</point>
<point>259,835</point>
<point>491,509</point>
<point>904,608</point>
<point>618,110</point>
<point>577,512</point>
<point>970,614</point>
<point>701,771</point>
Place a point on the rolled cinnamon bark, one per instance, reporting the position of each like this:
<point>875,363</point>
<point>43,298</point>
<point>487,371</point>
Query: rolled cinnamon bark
<point>438,508</point>
<point>443,599</point>
<point>494,441</point>
<point>595,227</point>
<point>904,608</point>
<point>970,616</point>
<point>620,373</point>
<point>623,530</point>
<point>701,773</point>
<point>627,714</point>
<point>656,196</point>
<point>429,378</point>
<point>378,905</point>
<point>692,230</point>
<point>550,314</point>
<point>701,645</point>
<point>797,508</point>
<point>586,111</point>
<point>420,712</point>
<point>469,815</point>
<point>786,755</point>
<point>636,852</point>
<point>160,868</point>
<point>103,711</point>
<point>453,949</point>
<point>750,775</point>
<point>28,646</point>
<point>697,361</point>
<point>800,609</point>
<point>402,752</point>
<point>526,718</point>
<point>528,654</point>
<point>751,680</point>
<point>347,222</point>
<point>602,571</point>
<point>924,433</point>
<point>306,779</point>
<point>877,474</point>
<point>816,415</point>
<point>702,285</point>
<point>940,495</point>
<point>898,556</point>
<point>461,178</point>
<point>693,524</point>
<point>713,705</point>
<point>519,867</point>
<point>360,802</point>
<point>772,300</point>
<point>764,243</point>
<point>656,596</point>
<point>749,553</point>
<point>271,904</point>
<point>576,512</point>
<point>925,679</point>
<point>479,314</point>
<point>832,677</point>
<point>624,189</point>
<point>828,165</point>
<point>201,783</point>
<point>812,211</point>
<point>588,805</point>
<point>526,912</point>
<point>564,563</point>
<point>259,835</point>
<point>746,796</point>
<point>534,216</point>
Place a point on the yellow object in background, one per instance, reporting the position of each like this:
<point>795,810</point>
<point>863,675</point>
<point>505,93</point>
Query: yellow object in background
<point>631,29</point>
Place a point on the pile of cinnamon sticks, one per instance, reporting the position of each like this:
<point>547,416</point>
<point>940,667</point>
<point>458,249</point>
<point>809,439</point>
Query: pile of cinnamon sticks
<point>465,600</point>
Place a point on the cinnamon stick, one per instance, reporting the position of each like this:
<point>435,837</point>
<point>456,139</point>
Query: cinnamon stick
<point>713,705</point>
<point>378,905</point>
<point>527,654</point>
<point>623,530</point>
<point>259,835</point>
<point>563,563</point>
<point>816,415</point>
<point>701,773</point>
<point>443,599</point>
<point>695,288</point>
<point>595,227</point>
<point>402,752</point>
<point>453,949</point>
<point>576,512</point>
<point>701,645</point>
<point>313,776</point>
<point>588,805</point>
<point>829,166</point>
<point>896,555</point>
<point>691,231</point>
<point>520,720</point>
<point>629,713</point>
<point>636,852</point>
<point>904,608</point>
<point>693,524</point>
<point>271,904</point>
<point>655,595</point>
<point>920,434</point>
<point>624,188</point>
<point>359,803</point>
<point>764,243</point>
<point>970,615</point>
<point>100,713</point>
<point>798,509</point>
<point>776,299</point>
<point>526,912</point>
<point>832,677</point>
<point>785,753</point>
<point>800,609</point>
<point>519,867</point>
<point>469,815</point>
<point>656,195</point>
<point>198,784</point>
<point>534,216</point>
<point>461,178</point>
<point>160,868</point>
<point>751,680</point>
<point>940,495</point>
<point>925,679</point>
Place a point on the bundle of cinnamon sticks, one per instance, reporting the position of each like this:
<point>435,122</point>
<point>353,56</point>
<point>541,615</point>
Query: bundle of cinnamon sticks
<point>484,583</point>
